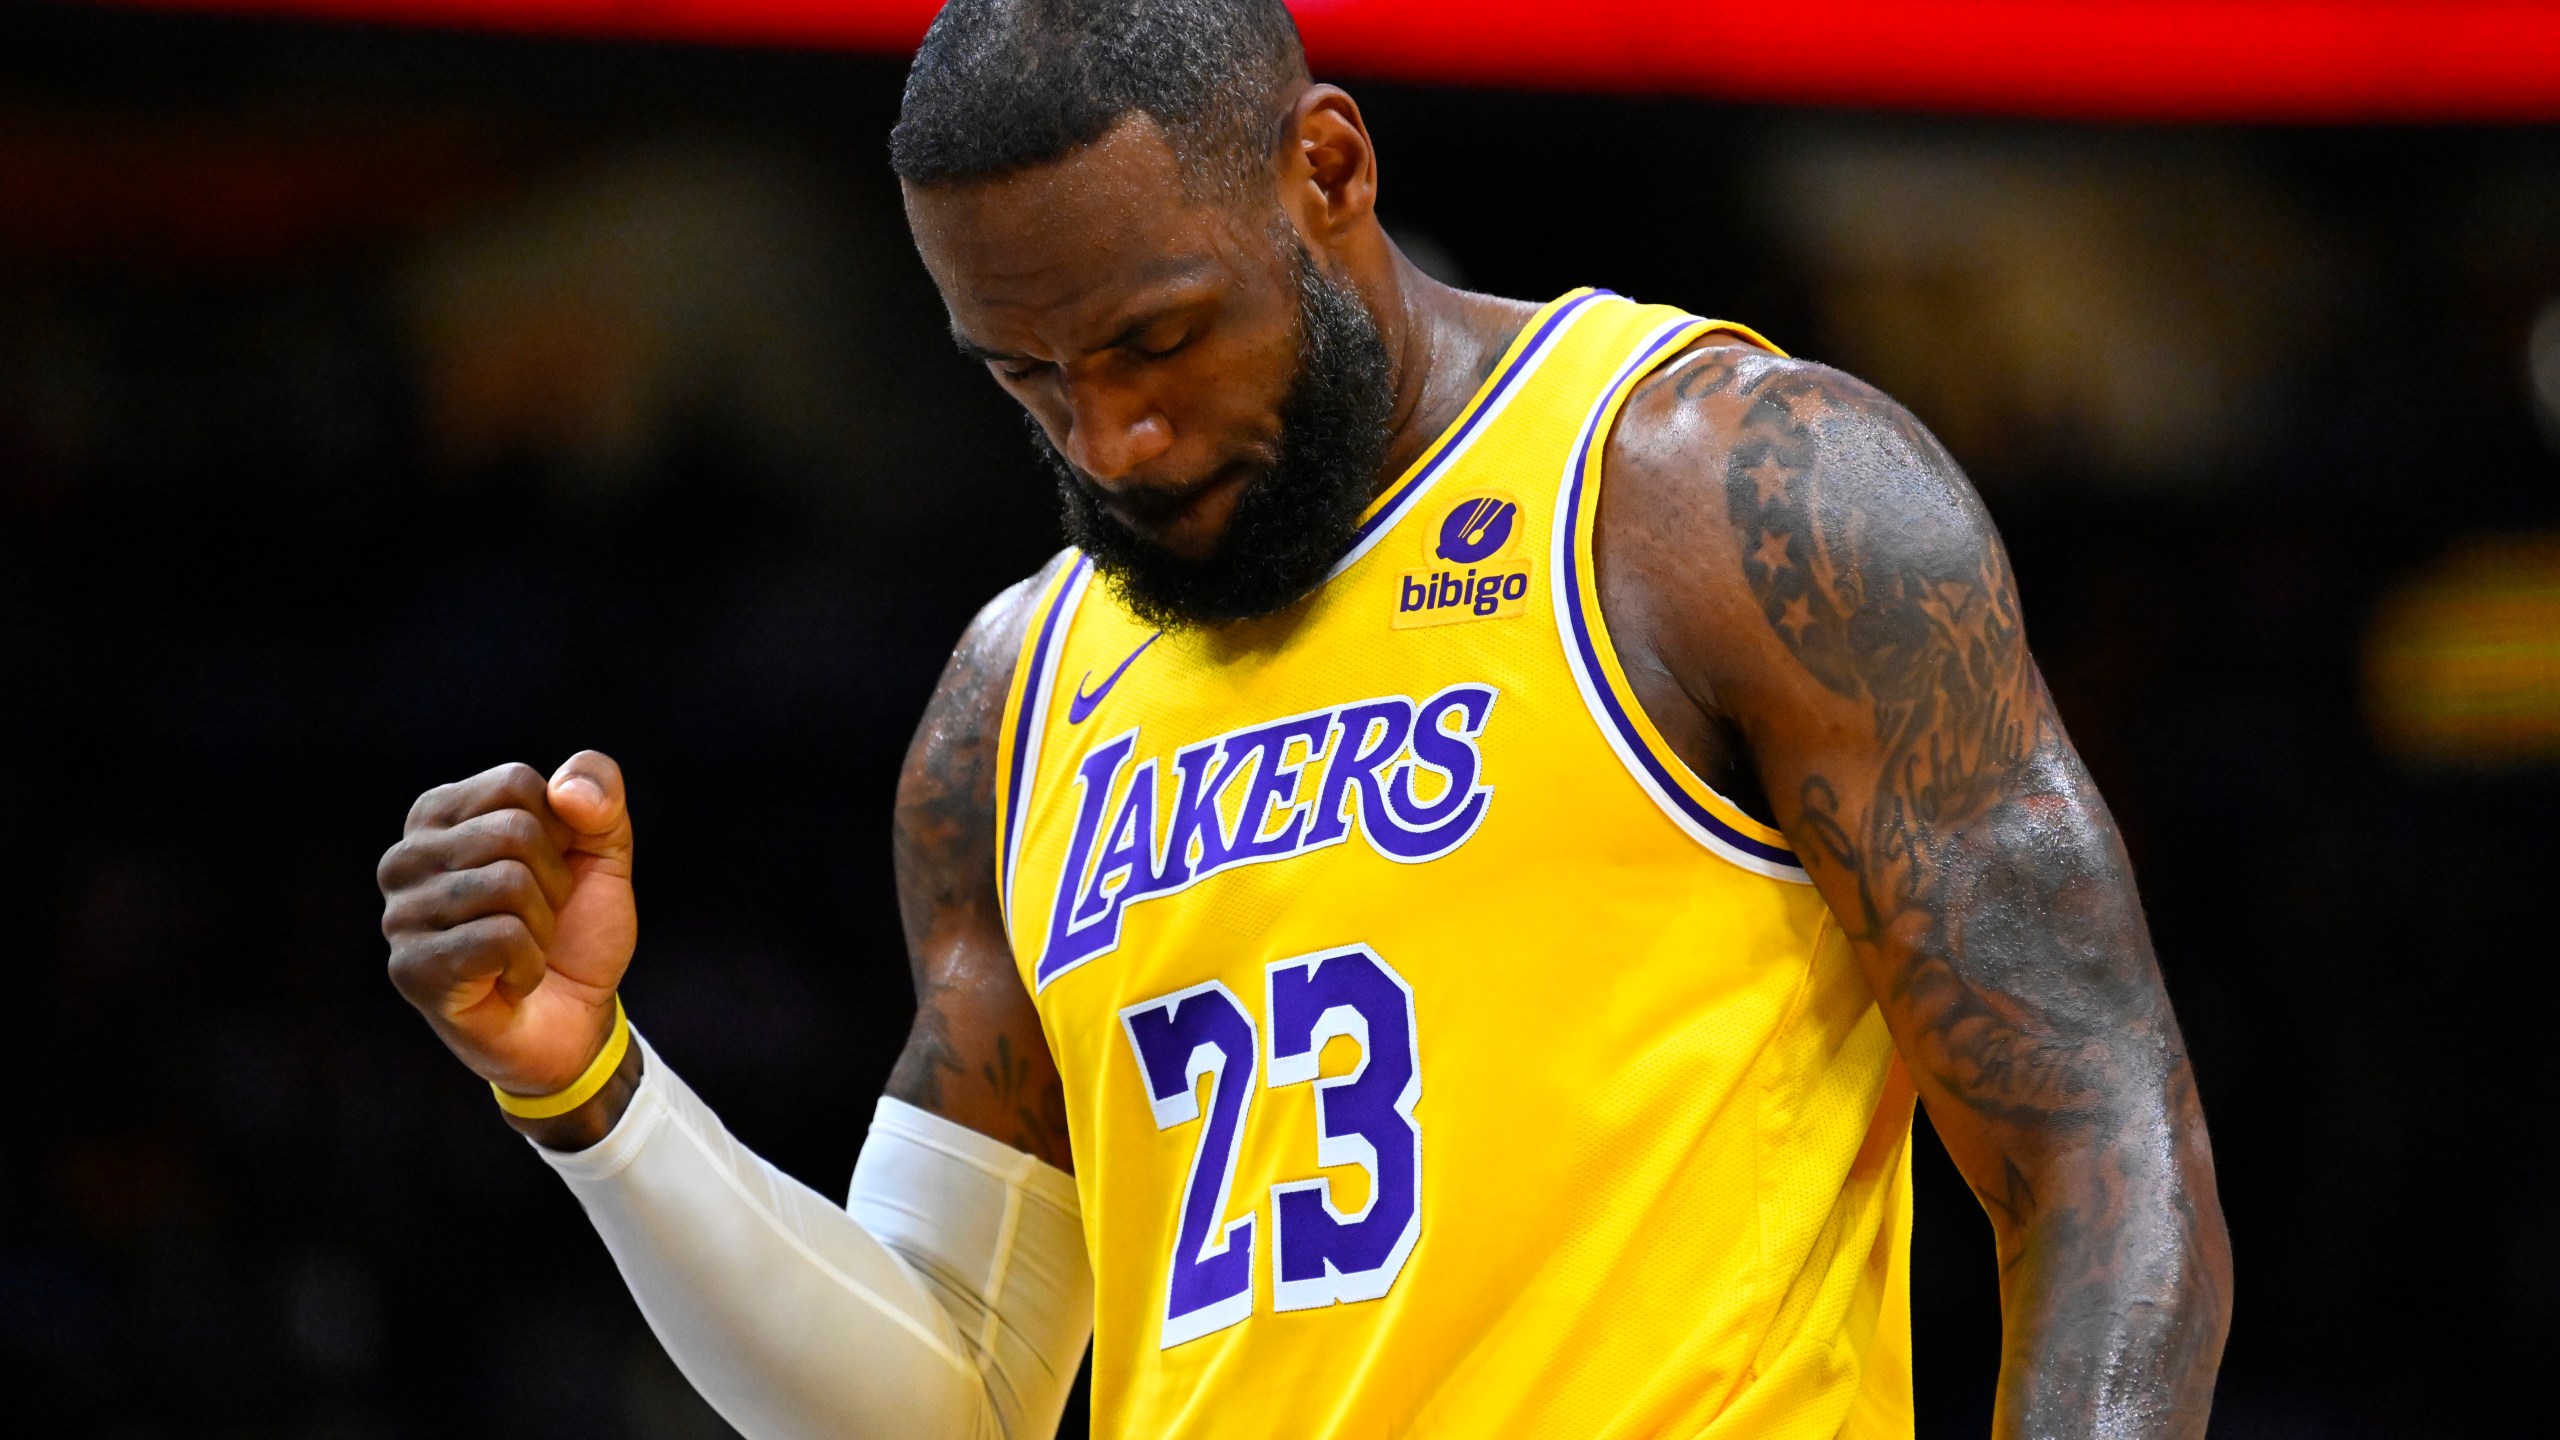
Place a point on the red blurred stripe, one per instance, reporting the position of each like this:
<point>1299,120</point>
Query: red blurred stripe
<point>2329,60</point>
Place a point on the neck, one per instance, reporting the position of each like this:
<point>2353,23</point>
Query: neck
<point>1444,341</point>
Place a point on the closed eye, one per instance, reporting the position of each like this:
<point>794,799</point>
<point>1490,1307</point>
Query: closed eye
<point>1011,367</point>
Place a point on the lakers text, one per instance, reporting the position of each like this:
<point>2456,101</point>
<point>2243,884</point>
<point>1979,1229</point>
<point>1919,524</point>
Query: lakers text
<point>1406,775</point>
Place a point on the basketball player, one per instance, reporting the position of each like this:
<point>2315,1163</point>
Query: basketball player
<point>1430,917</point>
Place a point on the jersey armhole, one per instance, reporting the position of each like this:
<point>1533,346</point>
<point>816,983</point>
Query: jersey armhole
<point>1026,716</point>
<point>1690,803</point>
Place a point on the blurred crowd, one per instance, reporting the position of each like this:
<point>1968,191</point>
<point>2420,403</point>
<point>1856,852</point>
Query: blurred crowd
<point>378,406</point>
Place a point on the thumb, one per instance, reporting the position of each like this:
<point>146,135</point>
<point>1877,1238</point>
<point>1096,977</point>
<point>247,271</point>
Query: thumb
<point>586,793</point>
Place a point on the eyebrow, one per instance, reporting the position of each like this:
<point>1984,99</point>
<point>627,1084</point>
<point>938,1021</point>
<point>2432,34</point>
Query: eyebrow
<point>1128,332</point>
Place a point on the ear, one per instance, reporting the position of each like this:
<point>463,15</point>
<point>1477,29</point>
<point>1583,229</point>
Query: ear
<point>1328,171</point>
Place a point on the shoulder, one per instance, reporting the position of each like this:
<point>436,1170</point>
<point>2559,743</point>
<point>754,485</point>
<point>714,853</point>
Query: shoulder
<point>954,749</point>
<point>1788,501</point>
<point>995,636</point>
<point>1740,424</point>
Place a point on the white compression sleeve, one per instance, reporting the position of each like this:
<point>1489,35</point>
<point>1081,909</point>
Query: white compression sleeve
<point>949,1299</point>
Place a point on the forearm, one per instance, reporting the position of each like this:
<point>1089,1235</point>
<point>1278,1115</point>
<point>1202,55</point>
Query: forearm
<point>905,1317</point>
<point>2115,1287</point>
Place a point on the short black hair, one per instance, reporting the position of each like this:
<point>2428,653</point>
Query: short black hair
<point>1001,85</point>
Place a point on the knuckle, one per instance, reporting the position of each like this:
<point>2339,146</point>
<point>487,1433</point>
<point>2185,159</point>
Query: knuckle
<point>412,857</point>
<point>405,914</point>
<point>509,879</point>
<point>518,827</point>
<point>485,884</point>
<point>503,934</point>
<point>425,805</point>
<point>461,949</point>
<point>456,848</point>
<point>464,844</point>
<point>416,967</point>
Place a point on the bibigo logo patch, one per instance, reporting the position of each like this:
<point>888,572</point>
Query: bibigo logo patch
<point>1470,571</point>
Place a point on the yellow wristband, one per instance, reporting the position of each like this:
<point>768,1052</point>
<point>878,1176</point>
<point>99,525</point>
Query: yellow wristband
<point>581,1090</point>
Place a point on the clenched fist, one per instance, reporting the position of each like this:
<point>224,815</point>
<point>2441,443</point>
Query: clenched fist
<point>508,907</point>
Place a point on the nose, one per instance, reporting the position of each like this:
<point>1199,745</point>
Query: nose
<point>1111,432</point>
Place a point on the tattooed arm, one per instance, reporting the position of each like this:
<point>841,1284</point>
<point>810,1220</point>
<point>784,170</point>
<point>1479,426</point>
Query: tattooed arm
<point>977,1055</point>
<point>1815,607</point>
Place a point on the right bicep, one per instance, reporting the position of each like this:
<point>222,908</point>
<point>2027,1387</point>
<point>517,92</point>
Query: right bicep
<point>976,1055</point>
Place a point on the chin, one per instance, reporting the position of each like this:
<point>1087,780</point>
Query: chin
<point>1187,550</point>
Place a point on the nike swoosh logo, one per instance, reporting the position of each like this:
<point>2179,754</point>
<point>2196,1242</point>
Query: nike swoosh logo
<point>1082,705</point>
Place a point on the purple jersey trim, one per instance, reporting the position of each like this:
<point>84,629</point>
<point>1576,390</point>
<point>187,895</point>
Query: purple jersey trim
<point>1580,629</point>
<point>1403,496</point>
<point>1018,783</point>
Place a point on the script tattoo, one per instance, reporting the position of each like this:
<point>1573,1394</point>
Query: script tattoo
<point>976,1053</point>
<point>1977,872</point>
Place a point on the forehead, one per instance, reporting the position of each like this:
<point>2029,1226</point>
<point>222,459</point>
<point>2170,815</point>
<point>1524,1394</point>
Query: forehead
<point>1105,228</point>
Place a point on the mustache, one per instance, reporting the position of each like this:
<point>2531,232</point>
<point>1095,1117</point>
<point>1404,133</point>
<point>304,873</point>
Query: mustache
<point>1146,504</point>
<point>1149,505</point>
<point>1141,505</point>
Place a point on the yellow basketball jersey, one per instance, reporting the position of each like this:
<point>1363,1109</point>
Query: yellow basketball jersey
<point>1442,1057</point>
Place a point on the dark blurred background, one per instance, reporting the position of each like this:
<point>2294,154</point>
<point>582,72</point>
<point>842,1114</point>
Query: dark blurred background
<point>376,406</point>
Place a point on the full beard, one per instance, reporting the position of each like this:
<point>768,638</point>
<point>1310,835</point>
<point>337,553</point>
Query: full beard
<point>1292,521</point>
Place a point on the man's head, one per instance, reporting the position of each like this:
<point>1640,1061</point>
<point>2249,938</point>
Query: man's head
<point>1159,237</point>
<point>999,85</point>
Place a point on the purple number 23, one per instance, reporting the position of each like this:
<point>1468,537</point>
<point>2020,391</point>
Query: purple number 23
<point>1321,1255</point>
